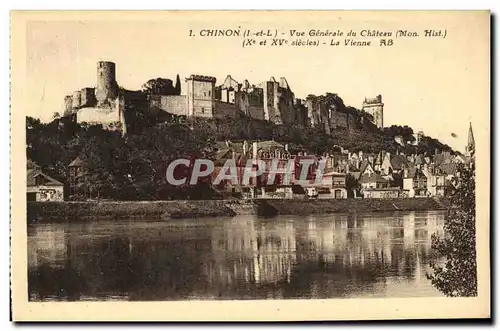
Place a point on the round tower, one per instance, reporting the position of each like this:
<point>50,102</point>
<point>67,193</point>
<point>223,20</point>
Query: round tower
<point>106,81</point>
<point>77,95</point>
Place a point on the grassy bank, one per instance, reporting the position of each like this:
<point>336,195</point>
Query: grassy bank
<point>158,210</point>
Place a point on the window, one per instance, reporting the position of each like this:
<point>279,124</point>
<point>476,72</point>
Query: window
<point>202,110</point>
<point>209,92</point>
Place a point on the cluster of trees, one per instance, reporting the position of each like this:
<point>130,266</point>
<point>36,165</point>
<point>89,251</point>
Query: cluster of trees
<point>162,86</point>
<point>117,167</point>
<point>365,137</point>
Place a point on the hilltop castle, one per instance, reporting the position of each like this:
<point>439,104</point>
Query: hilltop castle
<point>272,100</point>
<point>375,107</point>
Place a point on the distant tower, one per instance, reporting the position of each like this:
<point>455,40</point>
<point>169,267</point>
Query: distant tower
<point>471,145</point>
<point>375,107</point>
<point>107,88</point>
<point>200,96</point>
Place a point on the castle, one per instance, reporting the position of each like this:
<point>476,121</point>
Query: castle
<point>103,104</point>
<point>272,100</point>
<point>375,107</point>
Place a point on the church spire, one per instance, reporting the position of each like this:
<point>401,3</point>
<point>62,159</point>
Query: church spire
<point>470,141</point>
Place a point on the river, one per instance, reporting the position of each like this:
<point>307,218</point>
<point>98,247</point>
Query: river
<point>246,257</point>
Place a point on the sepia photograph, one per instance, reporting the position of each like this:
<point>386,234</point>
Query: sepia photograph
<point>250,165</point>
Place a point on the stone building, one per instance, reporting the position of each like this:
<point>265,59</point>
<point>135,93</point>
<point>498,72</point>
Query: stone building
<point>375,107</point>
<point>103,104</point>
<point>200,96</point>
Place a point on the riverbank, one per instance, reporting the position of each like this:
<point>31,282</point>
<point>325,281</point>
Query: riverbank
<point>164,210</point>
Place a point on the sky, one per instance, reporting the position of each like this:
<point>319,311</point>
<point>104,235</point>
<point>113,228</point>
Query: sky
<point>431,84</point>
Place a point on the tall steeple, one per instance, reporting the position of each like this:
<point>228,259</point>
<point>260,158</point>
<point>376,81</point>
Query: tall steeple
<point>469,149</point>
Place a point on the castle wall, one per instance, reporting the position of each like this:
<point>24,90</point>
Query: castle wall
<point>339,119</point>
<point>174,104</point>
<point>88,97</point>
<point>225,109</point>
<point>286,106</point>
<point>256,112</point>
<point>256,97</point>
<point>110,118</point>
<point>68,103</point>
<point>76,99</point>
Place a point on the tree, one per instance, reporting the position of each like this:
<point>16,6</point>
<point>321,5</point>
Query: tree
<point>352,186</point>
<point>177,88</point>
<point>159,86</point>
<point>458,276</point>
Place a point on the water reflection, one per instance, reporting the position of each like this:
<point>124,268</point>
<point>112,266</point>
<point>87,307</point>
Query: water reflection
<point>246,257</point>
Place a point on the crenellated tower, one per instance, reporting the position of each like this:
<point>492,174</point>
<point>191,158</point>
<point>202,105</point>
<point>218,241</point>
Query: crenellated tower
<point>200,96</point>
<point>375,107</point>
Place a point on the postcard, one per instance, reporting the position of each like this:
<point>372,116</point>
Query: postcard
<point>250,165</point>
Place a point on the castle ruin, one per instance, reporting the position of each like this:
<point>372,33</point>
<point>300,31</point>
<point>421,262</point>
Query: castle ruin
<point>272,100</point>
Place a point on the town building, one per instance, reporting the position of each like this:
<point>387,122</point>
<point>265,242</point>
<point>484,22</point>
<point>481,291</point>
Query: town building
<point>41,187</point>
<point>415,182</point>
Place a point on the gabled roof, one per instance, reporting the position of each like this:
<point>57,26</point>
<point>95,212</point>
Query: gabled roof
<point>373,178</point>
<point>398,162</point>
<point>413,171</point>
<point>364,164</point>
<point>32,174</point>
<point>269,144</point>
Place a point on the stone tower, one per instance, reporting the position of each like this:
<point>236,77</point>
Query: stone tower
<point>375,107</point>
<point>471,145</point>
<point>200,96</point>
<point>107,88</point>
<point>77,99</point>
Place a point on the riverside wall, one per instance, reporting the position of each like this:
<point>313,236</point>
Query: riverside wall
<point>167,210</point>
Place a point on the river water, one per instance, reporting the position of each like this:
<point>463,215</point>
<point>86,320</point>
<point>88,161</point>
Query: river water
<point>245,257</point>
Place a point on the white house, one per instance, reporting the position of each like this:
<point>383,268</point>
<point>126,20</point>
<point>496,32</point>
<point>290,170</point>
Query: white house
<point>41,187</point>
